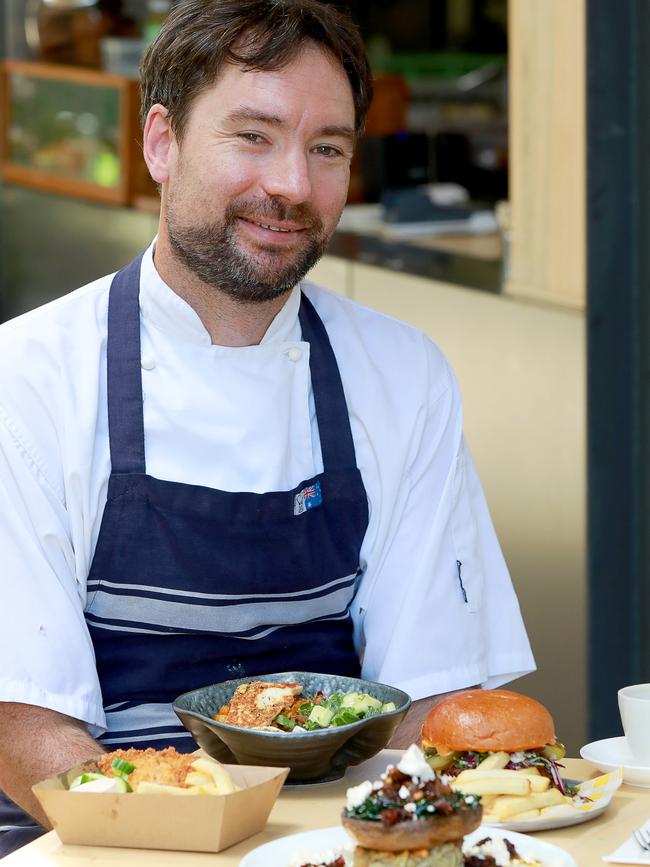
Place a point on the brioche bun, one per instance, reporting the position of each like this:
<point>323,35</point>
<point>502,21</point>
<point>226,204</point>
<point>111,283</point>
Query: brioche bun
<point>487,720</point>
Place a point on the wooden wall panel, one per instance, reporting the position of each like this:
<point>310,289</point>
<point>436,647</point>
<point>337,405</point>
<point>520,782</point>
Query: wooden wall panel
<point>547,150</point>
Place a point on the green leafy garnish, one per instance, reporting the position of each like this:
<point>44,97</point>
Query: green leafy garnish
<point>344,716</point>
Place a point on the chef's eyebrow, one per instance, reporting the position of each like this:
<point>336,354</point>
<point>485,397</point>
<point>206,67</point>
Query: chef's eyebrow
<point>253,115</point>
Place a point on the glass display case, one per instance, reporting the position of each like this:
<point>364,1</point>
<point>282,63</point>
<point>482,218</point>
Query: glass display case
<point>73,131</point>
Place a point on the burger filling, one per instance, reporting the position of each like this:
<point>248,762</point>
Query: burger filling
<point>546,760</point>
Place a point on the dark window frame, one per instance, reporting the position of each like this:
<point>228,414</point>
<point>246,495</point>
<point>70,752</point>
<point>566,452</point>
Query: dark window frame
<point>618,350</point>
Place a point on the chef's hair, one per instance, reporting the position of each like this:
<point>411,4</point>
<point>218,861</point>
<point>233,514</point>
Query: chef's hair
<point>200,36</point>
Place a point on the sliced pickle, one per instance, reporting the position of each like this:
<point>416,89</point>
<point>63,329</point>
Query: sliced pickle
<point>554,751</point>
<point>438,762</point>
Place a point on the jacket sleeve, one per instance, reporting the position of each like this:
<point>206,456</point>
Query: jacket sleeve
<point>47,655</point>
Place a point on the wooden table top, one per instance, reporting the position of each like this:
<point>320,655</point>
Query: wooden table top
<point>310,807</point>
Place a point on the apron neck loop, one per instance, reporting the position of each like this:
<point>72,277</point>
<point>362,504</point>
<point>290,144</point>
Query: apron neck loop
<point>337,445</point>
<point>124,375</point>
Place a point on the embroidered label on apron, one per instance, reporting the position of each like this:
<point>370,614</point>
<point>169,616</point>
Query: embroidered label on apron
<point>308,498</point>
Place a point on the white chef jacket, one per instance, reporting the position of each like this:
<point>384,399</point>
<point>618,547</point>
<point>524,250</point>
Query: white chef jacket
<point>435,610</point>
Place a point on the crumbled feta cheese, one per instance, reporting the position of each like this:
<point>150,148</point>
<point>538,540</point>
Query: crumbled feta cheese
<point>414,764</point>
<point>403,793</point>
<point>517,757</point>
<point>356,795</point>
<point>410,807</point>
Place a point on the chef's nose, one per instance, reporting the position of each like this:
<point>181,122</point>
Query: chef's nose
<point>287,176</point>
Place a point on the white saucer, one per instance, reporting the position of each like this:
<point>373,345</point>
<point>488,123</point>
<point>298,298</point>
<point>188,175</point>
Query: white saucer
<point>615,753</point>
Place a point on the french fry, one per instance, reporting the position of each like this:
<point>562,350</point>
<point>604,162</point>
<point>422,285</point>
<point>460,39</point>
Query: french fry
<point>194,778</point>
<point>564,809</point>
<point>536,782</point>
<point>527,816</point>
<point>514,784</point>
<point>539,784</point>
<point>496,774</point>
<point>507,807</point>
<point>495,761</point>
<point>487,801</point>
<point>496,782</point>
<point>216,773</point>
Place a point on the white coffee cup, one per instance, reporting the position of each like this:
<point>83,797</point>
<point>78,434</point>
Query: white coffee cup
<point>634,705</point>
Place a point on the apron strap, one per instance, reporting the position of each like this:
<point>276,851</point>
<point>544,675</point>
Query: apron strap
<point>337,445</point>
<point>124,375</point>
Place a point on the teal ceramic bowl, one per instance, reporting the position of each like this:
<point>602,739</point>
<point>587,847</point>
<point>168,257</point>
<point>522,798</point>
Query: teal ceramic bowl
<point>317,756</point>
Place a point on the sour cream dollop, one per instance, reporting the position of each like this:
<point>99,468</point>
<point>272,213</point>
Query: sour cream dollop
<point>105,784</point>
<point>414,764</point>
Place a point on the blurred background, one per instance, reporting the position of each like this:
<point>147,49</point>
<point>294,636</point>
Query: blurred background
<point>491,204</point>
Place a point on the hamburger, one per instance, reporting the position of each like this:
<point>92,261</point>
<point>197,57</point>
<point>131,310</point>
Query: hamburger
<point>410,817</point>
<point>465,728</point>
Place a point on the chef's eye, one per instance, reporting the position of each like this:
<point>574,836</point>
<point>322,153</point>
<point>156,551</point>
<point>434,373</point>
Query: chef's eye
<point>252,137</point>
<point>328,151</point>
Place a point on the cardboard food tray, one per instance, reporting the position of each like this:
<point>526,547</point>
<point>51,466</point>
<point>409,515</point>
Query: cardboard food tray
<point>196,823</point>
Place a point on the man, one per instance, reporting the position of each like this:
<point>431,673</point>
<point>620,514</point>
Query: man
<point>209,470</point>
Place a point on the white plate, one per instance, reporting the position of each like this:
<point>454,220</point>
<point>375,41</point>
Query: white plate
<point>283,852</point>
<point>615,753</point>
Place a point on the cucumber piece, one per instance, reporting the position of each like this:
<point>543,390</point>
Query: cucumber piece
<point>366,704</point>
<point>388,706</point>
<point>321,716</point>
<point>121,767</point>
<point>350,698</point>
<point>99,783</point>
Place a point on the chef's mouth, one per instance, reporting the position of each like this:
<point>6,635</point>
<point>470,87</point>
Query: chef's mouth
<point>283,230</point>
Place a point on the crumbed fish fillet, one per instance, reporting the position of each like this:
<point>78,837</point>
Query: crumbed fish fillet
<point>256,704</point>
<point>166,767</point>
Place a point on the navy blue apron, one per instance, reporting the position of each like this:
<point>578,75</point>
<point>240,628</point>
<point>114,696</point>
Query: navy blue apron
<point>190,585</point>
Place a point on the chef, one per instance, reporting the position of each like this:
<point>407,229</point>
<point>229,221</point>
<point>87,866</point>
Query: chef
<point>211,468</point>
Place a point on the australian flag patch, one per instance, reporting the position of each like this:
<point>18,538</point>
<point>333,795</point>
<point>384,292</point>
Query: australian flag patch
<point>308,498</point>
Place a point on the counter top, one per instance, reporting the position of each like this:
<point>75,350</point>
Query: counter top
<point>308,807</point>
<point>469,254</point>
<point>448,259</point>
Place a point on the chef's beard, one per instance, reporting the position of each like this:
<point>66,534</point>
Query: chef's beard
<point>214,254</point>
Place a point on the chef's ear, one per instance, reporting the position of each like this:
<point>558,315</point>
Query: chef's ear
<point>157,142</point>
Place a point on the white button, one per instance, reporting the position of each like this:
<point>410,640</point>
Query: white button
<point>148,362</point>
<point>294,354</point>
